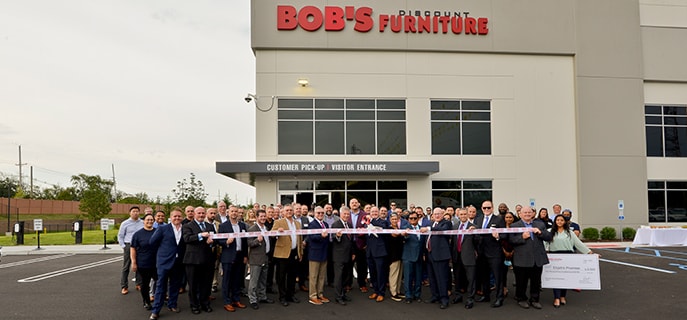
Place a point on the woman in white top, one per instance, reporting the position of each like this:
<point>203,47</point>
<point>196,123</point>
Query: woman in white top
<point>564,241</point>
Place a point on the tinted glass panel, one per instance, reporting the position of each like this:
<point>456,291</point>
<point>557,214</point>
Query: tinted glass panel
<point>477,116</point>
<point>656,185</point>
<point>295,114</point>
<point>446,184</point>
<point>386,197</point>
<point>476,138</point>
<point>657,206</point>
<point>677,185</point>
<point>674,110</point>
<point>330,185</point>
<point>295,185</point>
<point>329,103</point>
<point>391,138</point>
<point>329,114</point>
<point>360,104</point>
<point>329,137</point>
<point>675,121</point>
<point>677,206</point>
<point>295,103</point>
<point>442,115</point>
<point>476,198</point>
<point>295,137</point>
<point>653,120</point>
<point>390,185</point>
<point>477,184</point>
<point>445,105</point>
<point>360,115</point>
<point>675,142</point>
<point>476,105</point>
<point>446,138</point>
<point>391,104</point>
<point>391,115</point>
<point>360,138</point>
<point>446,198</point>
<point>362,185</point>
<point>654,141</point>
<point>364,197</point>
<point>652,109</point>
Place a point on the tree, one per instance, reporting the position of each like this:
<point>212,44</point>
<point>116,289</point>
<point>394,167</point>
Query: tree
<point>8,186</point>
<point>190,192</point>
<point>94,192</point>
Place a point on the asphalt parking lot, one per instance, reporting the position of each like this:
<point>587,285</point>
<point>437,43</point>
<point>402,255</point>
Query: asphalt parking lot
<point>637,283</point>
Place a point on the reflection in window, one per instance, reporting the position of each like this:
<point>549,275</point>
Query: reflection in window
<point>666,131</point>
<point>461,127</point>
<point>667,201</point>
<point>461,193</point>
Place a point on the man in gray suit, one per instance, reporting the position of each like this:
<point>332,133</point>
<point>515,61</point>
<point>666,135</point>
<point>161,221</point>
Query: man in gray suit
<point>464,257</point>
<point>342,252</point>
<point>529,257</point>
<point>258,248</point>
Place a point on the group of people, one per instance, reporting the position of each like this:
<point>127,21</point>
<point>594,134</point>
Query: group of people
<point>459,268</point>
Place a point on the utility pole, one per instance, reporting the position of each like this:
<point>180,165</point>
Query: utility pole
<point>31,185</point>
<point>20,164</point>
<point>114,183</point>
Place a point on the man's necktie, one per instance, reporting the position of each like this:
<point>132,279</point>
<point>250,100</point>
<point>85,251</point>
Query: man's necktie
<point>202,226</point>
<point>460,237</point>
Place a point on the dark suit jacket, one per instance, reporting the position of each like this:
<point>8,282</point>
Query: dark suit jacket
<point>441,250</point>
<point>317,246</point>
<point>360,240</point>
<point>413,247</point>
<point>229,253</point>
<point>529,252</point>
<point>488,246</point>
<point>394,245</point>
<point>376,245</point>
<point>468,250</point>
<point>257,253</point>
<point>342,248</point>
<point>168,251</point>
<point>197,251</point>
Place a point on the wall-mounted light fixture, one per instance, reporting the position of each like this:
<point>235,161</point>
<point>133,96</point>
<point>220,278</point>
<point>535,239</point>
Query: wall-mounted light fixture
<point>303,82</point>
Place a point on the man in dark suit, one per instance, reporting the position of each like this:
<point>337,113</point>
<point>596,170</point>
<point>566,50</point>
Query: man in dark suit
<point>464,254</point>
<point>199,260</point>
<point>377,256</point>
<point>170,253</point>
<point>413,246</point>
<point>318,247</point>
<point>342,251</point>
<point>439,254</point>
<point>358,220</point>
<point>234,257</point>
<point>490,254</point>
<point>529,257</point>
<point>257,256</point>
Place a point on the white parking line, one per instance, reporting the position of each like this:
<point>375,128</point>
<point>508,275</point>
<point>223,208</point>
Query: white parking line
<point>637,266</point>
<point>46,258</point>
<point>69,270</point>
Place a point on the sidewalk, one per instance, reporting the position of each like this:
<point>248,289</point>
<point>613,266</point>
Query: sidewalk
<point>75,249</point>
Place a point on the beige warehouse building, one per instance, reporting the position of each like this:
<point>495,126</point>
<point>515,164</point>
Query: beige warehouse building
<point>577,102</point>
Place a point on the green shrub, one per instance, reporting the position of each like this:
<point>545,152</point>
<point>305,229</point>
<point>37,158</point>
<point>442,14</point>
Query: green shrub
<point>591,234</point>
<point>629,233</point>
<point>608,233</point>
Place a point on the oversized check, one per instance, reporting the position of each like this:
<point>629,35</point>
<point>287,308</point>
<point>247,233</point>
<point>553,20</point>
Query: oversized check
<point>572,271</point>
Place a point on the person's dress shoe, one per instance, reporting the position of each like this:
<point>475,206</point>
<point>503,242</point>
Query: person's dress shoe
<point>195,311</point>
<point>182,290</point>
<point>175,310</point>
<point>284,303</point>
<point>294,300</point>
<point>363,289</point>
<point>315,301</point>
<point>214,288</point>
<point>304,288</point>
<point>340,301</point>
<point>380,298</point>
<point>408,301</point>
<point>207,308</point>
<point>563,302</point>
<point>211,298</point>
<point>147,306</point>
<point>346,298</point>
<point>497,303</point>
<point>482,299</point>
<point>254,306</point>
<point>458,299</point>
<point>524,304</point>
<point>469,304</point>
<point>153,316</point>
<point>268,301</point>
<point>443,306</point>
<point>419,300</point>
<point>372,296</point>
<point>324,299</point>
<point>239,305</point>
<point>138,287</point>
<point>396,298</point>
<point>536,304</point>
<point>125,291</point>
<point>433,300</point>
<point>229,308</point>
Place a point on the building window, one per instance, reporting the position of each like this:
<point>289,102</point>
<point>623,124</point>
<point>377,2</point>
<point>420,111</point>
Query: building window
<point>667,201</point>
<point>666,131</point>
<point>341,126</point>
<point>460,193</point>
<point>461,127</point>
<point>321,192</point>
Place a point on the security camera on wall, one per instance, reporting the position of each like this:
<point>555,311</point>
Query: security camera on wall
<point>249,98</point>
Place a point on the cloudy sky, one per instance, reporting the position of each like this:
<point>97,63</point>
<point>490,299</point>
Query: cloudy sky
<point>154,87</point>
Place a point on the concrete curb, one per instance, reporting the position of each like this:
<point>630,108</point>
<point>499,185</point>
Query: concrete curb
<point>71,249</point>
